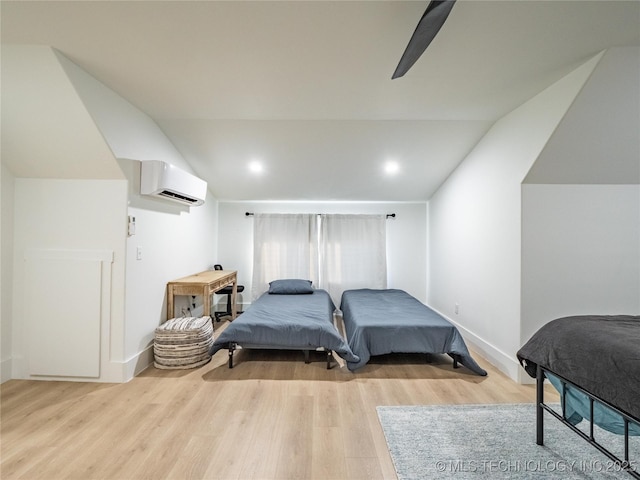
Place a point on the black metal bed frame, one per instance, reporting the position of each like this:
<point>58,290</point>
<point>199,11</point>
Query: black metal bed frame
<point>624,464</point>
<point>234,345</point>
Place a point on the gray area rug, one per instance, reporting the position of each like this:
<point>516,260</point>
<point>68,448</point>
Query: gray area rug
<point>494,441</point>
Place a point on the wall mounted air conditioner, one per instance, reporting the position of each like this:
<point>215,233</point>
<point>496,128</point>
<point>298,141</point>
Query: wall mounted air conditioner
<point>161,179</point>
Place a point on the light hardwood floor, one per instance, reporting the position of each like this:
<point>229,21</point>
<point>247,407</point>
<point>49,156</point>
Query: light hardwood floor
<point>270,417</point>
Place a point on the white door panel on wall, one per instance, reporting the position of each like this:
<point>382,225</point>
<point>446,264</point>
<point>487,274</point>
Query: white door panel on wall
<point>64,309</point>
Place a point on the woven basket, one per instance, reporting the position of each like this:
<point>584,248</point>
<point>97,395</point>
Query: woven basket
<point>182,343</point>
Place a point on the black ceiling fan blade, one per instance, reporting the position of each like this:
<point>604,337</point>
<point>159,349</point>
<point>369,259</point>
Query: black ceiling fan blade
<point>428,27</point>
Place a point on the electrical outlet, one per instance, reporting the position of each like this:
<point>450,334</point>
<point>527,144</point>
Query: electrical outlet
<point>131,229</point>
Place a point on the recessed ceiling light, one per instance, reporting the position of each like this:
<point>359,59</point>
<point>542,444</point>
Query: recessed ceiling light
<point>391,167</point>
<point>255,166</point>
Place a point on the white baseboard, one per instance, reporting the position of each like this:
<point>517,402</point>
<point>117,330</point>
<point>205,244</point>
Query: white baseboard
<point>110,372</point>
<point>496,357</point>
<point>138,363</point>
<point>5,369</point>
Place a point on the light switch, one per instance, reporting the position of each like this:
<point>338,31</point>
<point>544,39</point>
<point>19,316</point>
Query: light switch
<point>139,253</point>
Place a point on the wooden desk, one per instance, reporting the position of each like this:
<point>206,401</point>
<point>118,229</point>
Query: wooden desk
<point>205,284</point>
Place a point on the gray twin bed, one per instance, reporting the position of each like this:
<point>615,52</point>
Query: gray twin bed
<point>293,315</point>
<point>378,322</point>
<point>287,321</point>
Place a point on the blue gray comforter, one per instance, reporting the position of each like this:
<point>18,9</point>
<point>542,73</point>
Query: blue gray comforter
<point>292,322</point>
<point>392,321</point>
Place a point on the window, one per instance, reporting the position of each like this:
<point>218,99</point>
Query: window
<point>336,252</point>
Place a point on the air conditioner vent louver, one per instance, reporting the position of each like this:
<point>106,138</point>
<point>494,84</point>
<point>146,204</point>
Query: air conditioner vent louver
<point>177,196</point>
<point>161,179</point>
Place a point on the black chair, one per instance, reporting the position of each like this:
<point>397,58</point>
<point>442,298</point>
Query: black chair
<point>228,291</point>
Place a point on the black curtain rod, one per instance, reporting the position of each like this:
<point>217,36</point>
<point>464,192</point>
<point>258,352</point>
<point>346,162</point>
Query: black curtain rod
<point>389,215</point>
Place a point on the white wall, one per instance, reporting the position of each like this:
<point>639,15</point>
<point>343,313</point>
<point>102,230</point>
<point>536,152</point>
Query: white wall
<point>48,134</point>
<point>74,216</point>
<point>475,225</point>
<point>406,238</point>
<point>6,269</point>
<point>581,203</point>
<point>580,252</point>
<point>91,214</point>
<point>174,240</point>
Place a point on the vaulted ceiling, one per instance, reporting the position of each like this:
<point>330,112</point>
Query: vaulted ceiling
<point>305,88</point>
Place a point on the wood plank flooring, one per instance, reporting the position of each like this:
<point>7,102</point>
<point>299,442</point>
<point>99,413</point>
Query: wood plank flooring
<point>270,417</point>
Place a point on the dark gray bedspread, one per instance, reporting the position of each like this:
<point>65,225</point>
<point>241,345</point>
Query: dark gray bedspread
<point>378,322</point>
<point>302,322</point>
<point>598,353</point>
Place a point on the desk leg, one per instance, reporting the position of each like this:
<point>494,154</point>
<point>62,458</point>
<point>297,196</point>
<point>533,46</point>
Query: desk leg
<point>206,302</point>
<point>170,312</point>
<point>234,307</point>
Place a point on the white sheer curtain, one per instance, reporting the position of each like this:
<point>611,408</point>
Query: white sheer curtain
<point>284,246</point>
<point>353,253</point>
